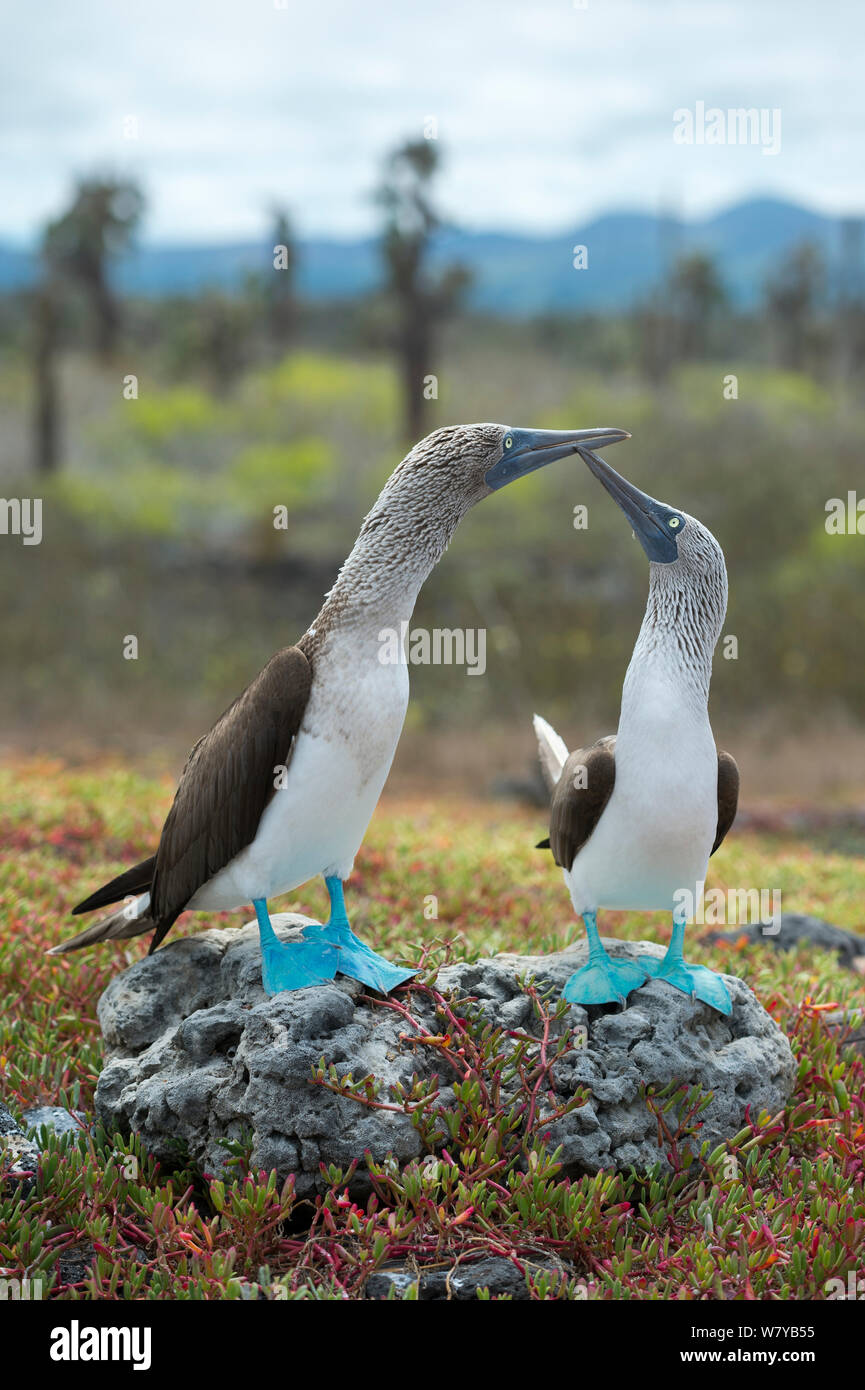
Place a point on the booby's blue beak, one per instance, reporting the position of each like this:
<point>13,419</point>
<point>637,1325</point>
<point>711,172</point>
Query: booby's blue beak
<point>525,450</point>
<point>656,526</point>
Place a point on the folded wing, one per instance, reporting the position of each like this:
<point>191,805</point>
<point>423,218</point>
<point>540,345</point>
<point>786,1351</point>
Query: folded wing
<point>229,778</point>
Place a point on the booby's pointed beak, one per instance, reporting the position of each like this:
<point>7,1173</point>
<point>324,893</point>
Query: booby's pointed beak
<point>656,525</point>
<point>525,450</point>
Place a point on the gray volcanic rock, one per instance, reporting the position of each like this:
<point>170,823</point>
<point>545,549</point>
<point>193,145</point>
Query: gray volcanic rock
<point>198,1054</point>
<point>19,1155</point>
<point>459,1283</point>
<point>8,1122</point>
<point>796,927</point>
<point>20,1152</point>
<point>54,1118</point>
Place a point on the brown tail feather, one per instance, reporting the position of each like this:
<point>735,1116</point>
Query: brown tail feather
<point>135,880</point>
<point>116,927</point>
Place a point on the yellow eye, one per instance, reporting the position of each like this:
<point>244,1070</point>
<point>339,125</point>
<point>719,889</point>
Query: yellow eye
<point>674,522</point>
<point>508,442</point>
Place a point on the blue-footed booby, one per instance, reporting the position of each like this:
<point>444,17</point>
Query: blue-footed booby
<point>284,785</point>
<point>635,817</point>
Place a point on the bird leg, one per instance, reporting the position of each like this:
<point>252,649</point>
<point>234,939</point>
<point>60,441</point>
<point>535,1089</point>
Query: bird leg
<point>602,980</point>
<point>695,980</point>
<point>353,956</point>
<point>292,964</point>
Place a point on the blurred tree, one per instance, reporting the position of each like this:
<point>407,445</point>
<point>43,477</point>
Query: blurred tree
<point>655,331</point>
<point>421,299</point>
<point>99,224</point>
<point>696,293</point>
<point>46,341</point>
<point>281,305</point>
<point>221,335</point>
<point>850,300</point>
<point>794,295</point>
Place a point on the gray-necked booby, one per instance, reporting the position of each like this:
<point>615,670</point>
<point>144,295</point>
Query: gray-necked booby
<point>283,786</point>
<point>635,817</point>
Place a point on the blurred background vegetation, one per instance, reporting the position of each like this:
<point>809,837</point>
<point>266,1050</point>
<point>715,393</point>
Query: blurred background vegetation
<point>158,507</point>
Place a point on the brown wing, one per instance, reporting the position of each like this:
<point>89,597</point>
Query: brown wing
<point>728,796</point>
<point>581,793</point>
<point>226,784</point>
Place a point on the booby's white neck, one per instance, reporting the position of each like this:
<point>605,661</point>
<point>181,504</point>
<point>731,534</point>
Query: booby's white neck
<point>400,542</point>
<point>379,582</point>
<point>671,667</point>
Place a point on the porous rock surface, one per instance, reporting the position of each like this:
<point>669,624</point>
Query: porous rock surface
<point>19,1155</point>
<point>198,1054</point>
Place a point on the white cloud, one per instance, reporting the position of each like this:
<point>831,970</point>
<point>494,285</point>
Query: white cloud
<point>548,114</point>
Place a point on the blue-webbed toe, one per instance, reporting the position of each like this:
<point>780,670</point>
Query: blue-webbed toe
<point>604,981</point>
<point>296,964</point>
<point>356,959</point>
<point>696,980</point>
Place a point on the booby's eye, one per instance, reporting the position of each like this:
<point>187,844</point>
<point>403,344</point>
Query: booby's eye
<point>674,523</point>
<point>508,441</point>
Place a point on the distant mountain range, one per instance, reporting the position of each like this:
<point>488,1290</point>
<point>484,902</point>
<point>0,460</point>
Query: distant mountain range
<point>627,254</point>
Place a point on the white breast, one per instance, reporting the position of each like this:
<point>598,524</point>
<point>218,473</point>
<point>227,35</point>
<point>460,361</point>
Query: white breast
<point>315,823</point>
<point>656,832</point>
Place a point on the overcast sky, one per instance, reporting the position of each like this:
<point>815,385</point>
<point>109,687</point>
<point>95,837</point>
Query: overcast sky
<point>547,113</point>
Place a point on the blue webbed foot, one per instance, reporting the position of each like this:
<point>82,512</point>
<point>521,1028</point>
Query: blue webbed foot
<point>293,964</point>
<point>604,981</point>
<point>696,980</point>
<point>353,956</point>
<point>322,952</point>
<point>296,964</point>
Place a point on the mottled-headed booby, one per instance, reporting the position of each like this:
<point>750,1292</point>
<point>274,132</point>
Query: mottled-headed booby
<point>283,786</point>
<point>635,817</point>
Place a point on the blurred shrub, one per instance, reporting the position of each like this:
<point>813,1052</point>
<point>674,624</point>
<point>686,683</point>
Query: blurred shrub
<point>291,475</point>
<point>143,497</point>
<point>310,385</point>
<point>158,416</point>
